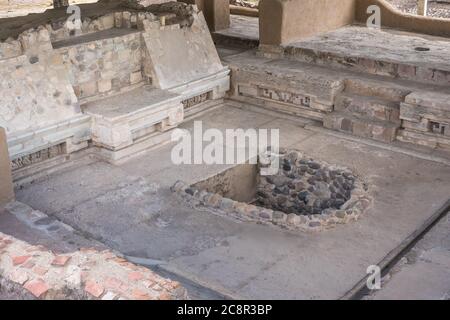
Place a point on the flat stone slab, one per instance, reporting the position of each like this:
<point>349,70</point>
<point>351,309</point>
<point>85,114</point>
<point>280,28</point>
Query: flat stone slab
<point>427,263</point>
<point>129,103</point>
<point>242,27</point>
<point>131,208</point>
<point>381,45</point>
<point>90,37</point>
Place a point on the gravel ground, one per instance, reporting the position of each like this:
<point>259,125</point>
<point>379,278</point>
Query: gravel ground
<point>437,9</point>
<point>245,3</point>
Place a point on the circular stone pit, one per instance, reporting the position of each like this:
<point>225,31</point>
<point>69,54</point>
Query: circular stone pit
<point>305,195</point>
<point>304,186</point>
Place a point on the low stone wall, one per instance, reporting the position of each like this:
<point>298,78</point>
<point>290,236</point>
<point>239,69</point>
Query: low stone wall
<point>104,66</point>
<point>120,47</point>
<point>285,21</point>
<point>84,274</point>
<point>393,18</point>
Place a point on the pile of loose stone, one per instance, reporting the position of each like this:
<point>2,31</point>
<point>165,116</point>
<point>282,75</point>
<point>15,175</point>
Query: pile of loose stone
<point>305,195</point>
<point>304,187</point>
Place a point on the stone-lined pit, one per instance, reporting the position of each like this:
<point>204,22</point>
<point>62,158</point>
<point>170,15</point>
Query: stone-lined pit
<point>304,187</point>
<point>304,194</point>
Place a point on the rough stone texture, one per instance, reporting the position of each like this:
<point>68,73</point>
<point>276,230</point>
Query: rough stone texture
<point>426,119</point>
<point>114,52</point>
<point>27,101</point>
<point>39,114</point>
<point>6,186</point>
<point>305,195</point>
<point>393,18</point>
<point>118,122</point>
<point>359,103</point>
<point>81,274</point>
<point>295,89</point>
<point>165,45</point>
<point>118,205</point>
<point>381,52</point>
<point>216,12</point>
<point>103,66</point>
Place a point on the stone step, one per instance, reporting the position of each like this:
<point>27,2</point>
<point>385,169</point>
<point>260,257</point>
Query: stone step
<point>369,107</point>
<point>121,123</point>
<point>359,126</point>
<point>383,89</point>
<point>406,56</point>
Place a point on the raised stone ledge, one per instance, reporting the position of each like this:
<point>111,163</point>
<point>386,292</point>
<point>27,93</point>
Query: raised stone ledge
<point>99,16</point>
<point>351,210</point>
<point>118,122</point>
<point>84,274</point>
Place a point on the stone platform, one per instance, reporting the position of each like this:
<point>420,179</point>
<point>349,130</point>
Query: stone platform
<point>243,32</point>
<point>119,49</point>
<point>131,122</point>
<point>130,207</point>
<point>382,52</point>
<point>361,103</point>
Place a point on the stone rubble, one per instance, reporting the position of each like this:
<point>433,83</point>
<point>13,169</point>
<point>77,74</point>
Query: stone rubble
<point>305,195</point>
<point>84,274</point>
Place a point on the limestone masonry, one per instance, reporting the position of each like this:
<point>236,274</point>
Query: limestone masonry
<point>53,78</point>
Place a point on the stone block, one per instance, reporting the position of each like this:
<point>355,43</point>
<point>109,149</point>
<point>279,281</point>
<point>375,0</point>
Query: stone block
<point>104,86</point>
<point>136,77</point>
<point>88,89</point>
<point>119,121</point>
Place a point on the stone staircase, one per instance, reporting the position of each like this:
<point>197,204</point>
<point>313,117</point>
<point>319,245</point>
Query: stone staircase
<point>375,106</point>
<point>367,109</point>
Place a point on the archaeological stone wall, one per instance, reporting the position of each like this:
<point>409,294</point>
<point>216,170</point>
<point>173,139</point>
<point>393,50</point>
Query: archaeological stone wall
<point>162,56</point>
<point>393,18</point>
<point>217,12</point>
<point>103,66</point>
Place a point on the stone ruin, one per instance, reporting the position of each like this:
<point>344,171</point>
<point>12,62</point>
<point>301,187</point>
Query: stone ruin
<point>304,194</point>
<point>120,84</point>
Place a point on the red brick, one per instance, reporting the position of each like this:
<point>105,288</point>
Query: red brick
<point>165,296</point>
<point>94,288</point>
<point>135,276</point>
<point>20,259</point>
<point>40,270</point>
<point>29,264</point>
<point>37,287</point>
<point>140,295</point>
<point>60,261</point>
<point>113,283</point>
<point>148,283</point>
